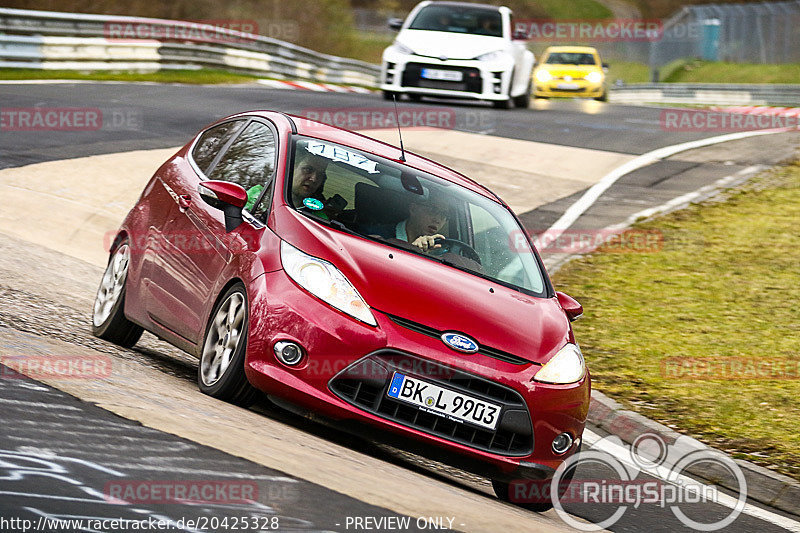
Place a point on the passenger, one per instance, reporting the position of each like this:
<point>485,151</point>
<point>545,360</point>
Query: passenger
<point>307,182</point>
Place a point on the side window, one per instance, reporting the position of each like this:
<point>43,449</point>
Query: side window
<point>210,143</point>
<point>249,162</point>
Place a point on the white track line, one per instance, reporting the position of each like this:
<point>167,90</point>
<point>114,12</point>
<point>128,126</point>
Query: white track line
<point>689,197</point>
<point>595,191</point>
<point>623,455</point>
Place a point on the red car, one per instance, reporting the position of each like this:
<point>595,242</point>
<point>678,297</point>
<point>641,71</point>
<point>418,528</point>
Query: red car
<point>344,277</point>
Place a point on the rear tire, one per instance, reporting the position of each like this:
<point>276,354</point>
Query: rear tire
<point>603,97</point>
<point>108,316</point>
<point>415,97</point>
<point>220,373</point>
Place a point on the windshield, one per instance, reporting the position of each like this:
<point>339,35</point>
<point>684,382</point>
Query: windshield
<point>570,58</point>
<point>389,203</point>
<point>459,19</point>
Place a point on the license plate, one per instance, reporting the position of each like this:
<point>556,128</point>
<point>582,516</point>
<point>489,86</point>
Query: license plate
<point>445,75</point>
<point>568,86</point>
<point>444,402</point>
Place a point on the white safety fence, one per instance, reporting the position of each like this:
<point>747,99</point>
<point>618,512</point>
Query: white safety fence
<point>50,40</point>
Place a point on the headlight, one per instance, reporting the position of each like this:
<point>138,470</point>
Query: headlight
<point>543,75</point>
<point>324,281</point>
<point>491,56</point>
<point>403,49</point>
<point>594,77</point>
<point>566,367</point>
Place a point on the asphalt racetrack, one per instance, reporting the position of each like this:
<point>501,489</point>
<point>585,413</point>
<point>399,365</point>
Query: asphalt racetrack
<point>65,446</point>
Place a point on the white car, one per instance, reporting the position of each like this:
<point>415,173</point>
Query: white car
<point>458,50</point>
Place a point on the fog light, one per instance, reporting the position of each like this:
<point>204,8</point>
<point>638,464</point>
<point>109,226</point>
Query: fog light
<point>288,353</point>
<point>562,443</point>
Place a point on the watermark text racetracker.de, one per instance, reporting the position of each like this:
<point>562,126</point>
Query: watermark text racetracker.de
<point>581,241</point>
<point>70,119</point>
<point>729,368</point>
<point>704,120</point>
<point>365,118</point>
<point>221,31</point>
<point>583,30</point>
<point>58,367</point>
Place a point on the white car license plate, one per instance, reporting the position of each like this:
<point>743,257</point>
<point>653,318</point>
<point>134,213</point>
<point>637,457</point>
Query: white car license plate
<point>444,402</point>
<point>445,75</point>
<point>567,86</point>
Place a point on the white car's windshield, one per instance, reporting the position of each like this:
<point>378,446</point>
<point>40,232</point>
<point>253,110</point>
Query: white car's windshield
<point>459,19</point>
<point>390,203</point>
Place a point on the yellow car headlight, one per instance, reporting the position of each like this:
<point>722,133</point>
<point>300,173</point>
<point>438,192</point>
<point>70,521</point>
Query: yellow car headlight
<point>594,77</point>
<point>543,76</point>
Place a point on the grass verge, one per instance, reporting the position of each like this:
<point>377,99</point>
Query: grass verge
<point>575,9</point>
<point>703,335</point>
<point>717,72</point>
<point>204,76</point>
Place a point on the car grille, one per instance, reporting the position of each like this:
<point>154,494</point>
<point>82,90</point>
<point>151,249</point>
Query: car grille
<point>483,350</point>
<point>364,384</point>
<point>471,78</point>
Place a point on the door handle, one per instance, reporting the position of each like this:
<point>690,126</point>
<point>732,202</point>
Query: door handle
<point>184,201</point>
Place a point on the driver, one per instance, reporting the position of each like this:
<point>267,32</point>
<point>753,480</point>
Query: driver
<point>426,218</point>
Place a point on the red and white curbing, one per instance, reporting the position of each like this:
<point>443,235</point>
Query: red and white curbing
<point>760,110</point>
<point>311,86</point>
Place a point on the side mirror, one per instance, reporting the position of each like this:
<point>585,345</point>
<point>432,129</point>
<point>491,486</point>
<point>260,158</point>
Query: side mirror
<point>395,23</point>
<point>228,197</point>
<point>570,305</point>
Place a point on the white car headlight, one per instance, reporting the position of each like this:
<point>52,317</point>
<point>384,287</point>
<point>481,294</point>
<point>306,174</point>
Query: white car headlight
<point>326,282</point>
<point>400,48</point>
<point>594,77</point>
<point>566,367</point>
<point>543,75</point>
<point>491,56</point>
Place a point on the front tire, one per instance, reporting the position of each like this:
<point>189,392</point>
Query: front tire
<point>220,373</point>
<point>535,504</point>
<point>524,100</point>
<point>108,316</point>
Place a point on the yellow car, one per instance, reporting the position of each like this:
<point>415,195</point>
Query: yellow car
<point>571,71</point>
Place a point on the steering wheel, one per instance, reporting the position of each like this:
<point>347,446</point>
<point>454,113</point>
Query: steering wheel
<point>457,247</point>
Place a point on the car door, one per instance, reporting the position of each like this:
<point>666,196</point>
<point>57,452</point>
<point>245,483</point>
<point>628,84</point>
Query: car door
<point>200,248</point>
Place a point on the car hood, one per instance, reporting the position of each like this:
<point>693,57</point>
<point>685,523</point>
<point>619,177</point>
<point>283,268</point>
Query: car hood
<point>450,45</point>
<point>576,71</point>
<point>415,288</point>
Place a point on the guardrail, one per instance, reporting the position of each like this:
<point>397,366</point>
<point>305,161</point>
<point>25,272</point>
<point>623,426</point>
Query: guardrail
<point>707,94</point>
<point>51,40</point>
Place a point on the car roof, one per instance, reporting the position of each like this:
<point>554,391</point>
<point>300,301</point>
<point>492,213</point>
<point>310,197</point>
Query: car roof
<point>572,49</point>
<point>326,132</point>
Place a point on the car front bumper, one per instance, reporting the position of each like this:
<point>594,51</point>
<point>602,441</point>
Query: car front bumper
<point>573,88</point>
<point>348,365</point>
<point>481,80</point>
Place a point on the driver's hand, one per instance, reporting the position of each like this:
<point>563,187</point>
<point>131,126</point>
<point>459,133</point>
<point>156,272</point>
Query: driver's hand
<point>427,242</point>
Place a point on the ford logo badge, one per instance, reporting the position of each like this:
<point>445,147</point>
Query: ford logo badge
<point>459,342</point>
